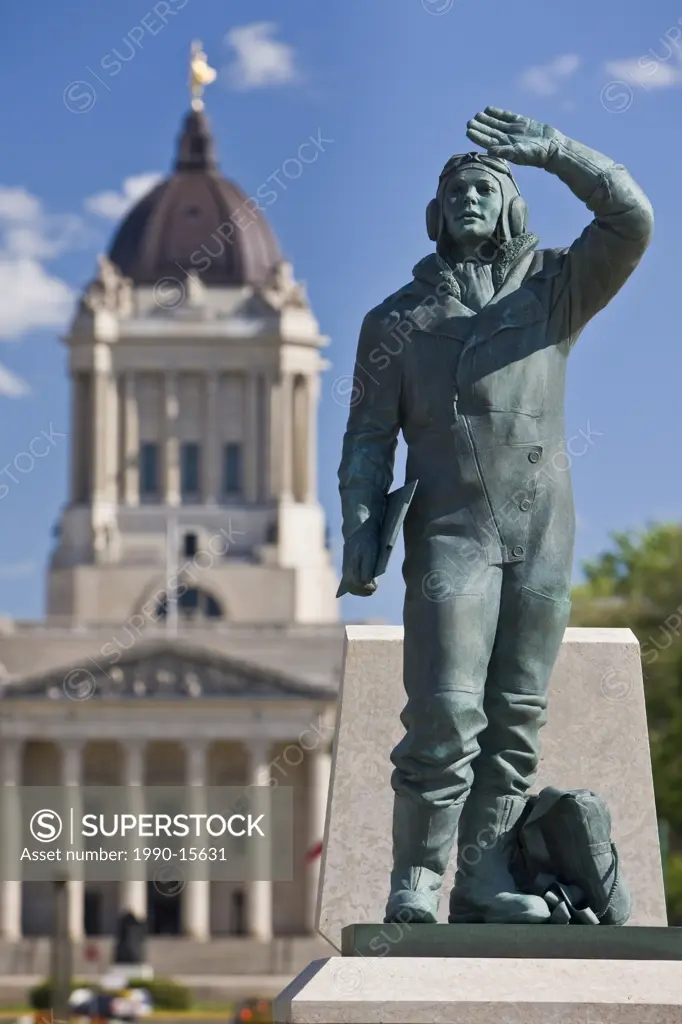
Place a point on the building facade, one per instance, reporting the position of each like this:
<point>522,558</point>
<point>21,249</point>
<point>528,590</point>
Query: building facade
<point>192,631</point>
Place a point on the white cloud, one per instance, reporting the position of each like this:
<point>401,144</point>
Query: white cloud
<point>12,386</point>
<point>547,79</point>
<point>114,205</point>
<point>645,71</point>
<point>260,60</point>
<point>31,297</point>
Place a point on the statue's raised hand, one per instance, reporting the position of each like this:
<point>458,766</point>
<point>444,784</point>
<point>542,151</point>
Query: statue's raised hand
<point>513,137</point>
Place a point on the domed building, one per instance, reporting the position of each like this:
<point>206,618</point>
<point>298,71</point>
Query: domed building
<point>192,633</point>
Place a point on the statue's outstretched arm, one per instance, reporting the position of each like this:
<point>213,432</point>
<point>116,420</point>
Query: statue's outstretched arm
<point>600,261</point>
<point>369,443</point>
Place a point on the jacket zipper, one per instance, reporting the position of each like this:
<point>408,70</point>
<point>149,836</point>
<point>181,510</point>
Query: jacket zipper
<point>469,345</point>
<point>479,471</point>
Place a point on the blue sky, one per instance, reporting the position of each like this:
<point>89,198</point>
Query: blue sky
<point>390,84</point>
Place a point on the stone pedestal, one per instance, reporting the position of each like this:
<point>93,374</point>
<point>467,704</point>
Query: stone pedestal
<point>596,738</point>
<point>349,990</point>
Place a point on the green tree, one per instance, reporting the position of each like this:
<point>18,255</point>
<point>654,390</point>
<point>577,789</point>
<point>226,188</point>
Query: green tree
<point>638,584</point>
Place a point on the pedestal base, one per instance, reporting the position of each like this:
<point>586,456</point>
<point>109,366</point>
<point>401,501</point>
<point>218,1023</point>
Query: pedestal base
<point>463,990</point>
<point>526,941</point>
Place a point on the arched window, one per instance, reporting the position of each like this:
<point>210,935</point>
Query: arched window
<point>193,603</point>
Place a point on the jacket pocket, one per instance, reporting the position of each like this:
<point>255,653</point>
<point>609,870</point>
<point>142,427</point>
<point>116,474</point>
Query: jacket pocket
<point>509,373</point>
<point>508,356</point>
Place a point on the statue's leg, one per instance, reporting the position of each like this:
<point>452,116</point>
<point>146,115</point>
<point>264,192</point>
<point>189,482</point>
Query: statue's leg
<point>530,630</point>
<point>450,617</point>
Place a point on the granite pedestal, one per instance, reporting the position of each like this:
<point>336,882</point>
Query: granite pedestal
<point>596,738</point>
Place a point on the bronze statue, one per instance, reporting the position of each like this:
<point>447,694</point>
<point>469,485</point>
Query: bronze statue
<point>469,361</point>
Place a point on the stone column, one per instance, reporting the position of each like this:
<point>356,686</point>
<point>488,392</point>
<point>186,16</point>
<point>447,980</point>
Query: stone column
<point>313,393</point>
<point>274,437</point>
<point>10,888</point>
<point>211,459</point>
<point>131,442</point>
<point>133,887</point>
<point>287,437</point>
<point>171,444</point>
<point>259,891</point>
<point>251,435</point>
<point>300,438</point>
<point>319,770</point>
<point>281,435</point>
<point>100,425</point>
<point>196,897</point>
<point>104,427</point>
<point>72,777</point>
<point>80,433</point>
<point>268,386</point>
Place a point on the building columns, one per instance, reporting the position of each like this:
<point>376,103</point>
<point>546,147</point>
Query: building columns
<point>313,396</point>
<point>171,444</point>
<point>72,777</point>
<point>212,434</point>
<point>252,439</point>
<point>131,442</point>
<point>133,890</point>
<point>196,898</point>
<point>10,888</point>
<point>319,772</point>
<point>104,427</point>
<point>286,437</point>
<point>281,434</point>
<point>259,889</point>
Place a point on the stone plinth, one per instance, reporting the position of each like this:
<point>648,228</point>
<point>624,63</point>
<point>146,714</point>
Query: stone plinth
<point>516,941</point>
<point>348,990</point>
<point>596,738</point>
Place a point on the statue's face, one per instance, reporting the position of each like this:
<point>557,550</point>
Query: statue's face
<point>472,204</point>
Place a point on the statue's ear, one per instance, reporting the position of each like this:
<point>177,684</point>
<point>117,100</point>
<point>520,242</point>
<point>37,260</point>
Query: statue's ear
<point>518,216</point>
<point>433,219</point>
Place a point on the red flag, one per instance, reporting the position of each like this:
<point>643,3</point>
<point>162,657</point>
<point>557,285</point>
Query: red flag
<point>314,852</point>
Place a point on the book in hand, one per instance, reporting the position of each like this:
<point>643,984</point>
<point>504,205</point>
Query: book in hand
<point>395,510</point>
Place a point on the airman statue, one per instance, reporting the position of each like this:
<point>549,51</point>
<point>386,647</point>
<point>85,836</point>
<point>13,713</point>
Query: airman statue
<point>469,361</point>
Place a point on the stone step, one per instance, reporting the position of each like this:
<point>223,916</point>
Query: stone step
<point>483,990</point>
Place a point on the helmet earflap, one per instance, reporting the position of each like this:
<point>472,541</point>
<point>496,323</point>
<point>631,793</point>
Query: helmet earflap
<point>433,219</point>
<point>518,216</point>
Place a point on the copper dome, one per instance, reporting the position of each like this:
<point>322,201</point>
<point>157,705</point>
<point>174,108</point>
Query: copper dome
<point>197,221</point>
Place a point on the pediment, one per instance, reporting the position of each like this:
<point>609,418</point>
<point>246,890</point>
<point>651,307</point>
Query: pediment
<point>168,672</point>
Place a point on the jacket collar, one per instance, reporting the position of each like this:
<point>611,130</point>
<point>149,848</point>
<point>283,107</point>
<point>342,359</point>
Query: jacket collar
<point>433,269</point>
<point>453,318</point>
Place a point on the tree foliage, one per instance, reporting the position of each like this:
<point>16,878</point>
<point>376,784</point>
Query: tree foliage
<point>638,584</point>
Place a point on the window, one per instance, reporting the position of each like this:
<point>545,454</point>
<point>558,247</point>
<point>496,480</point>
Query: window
<point>192,604</point>
<point>232,470</point>
<point>190,470</point>
<point>149,470</point>
<point>190,545</point>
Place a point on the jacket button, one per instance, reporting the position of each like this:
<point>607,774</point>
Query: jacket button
<point>534,456</point>
<point>525,505</point>
<point>517,552</point>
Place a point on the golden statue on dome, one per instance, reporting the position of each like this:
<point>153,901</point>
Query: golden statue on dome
<point>200,75</point>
